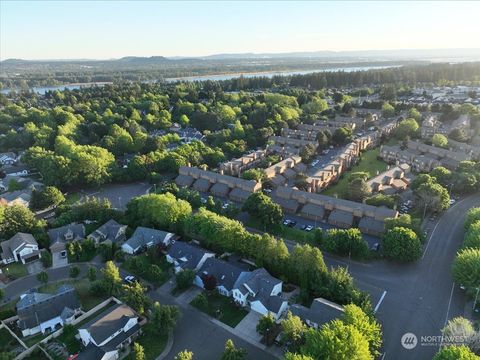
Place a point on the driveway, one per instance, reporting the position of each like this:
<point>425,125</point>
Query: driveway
<point>247,328</point>
<point>34,267</point>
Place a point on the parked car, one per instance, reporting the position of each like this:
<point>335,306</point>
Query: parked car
<point>289,223</point>
<point>375,247</point>
<point>307,227</point>
<point>267,191</point>
<point>130,279</point>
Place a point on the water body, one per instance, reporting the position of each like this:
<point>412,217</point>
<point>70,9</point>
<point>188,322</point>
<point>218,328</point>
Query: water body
<point>43,89</point>
<point>270,74</point>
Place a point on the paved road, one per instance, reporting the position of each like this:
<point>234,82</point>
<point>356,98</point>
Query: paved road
<point>421,297</point>
<point>197,333</point>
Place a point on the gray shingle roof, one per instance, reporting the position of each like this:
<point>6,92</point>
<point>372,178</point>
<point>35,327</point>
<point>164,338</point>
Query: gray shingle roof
<point>188,256</point>
<point>143,235</point>
<point>36,308</point>
<point>58,234</point>
<point>109,322</point>
<point>225,273</point>
<point>108,231</point>
<point>320,312</point>
<point>14,242</point>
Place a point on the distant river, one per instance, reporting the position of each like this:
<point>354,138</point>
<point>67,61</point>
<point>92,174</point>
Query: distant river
<point>43,89</point>
<point>270,74</point>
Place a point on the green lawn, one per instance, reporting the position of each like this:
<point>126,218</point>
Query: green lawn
<point>87,298</point>
<point>8,310</point>
<point>284,232</point>
<point>32,340</point>
<point>140,265</point>
<point>7,341</point>
<point>368,163</point>
<point>152,343</point>
<point>15,270</point>
<point>72,198</point>
<point>220,307</point>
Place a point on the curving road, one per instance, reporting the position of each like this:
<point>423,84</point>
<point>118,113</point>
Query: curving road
<point>421,297</point>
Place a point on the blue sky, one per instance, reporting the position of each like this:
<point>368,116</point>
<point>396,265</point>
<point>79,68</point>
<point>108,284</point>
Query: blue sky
<point>112,29</point>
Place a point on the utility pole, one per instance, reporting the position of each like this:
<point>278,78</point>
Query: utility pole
<point>476,297</point>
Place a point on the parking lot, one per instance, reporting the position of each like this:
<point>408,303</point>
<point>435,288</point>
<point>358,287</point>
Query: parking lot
<point>118,194</point>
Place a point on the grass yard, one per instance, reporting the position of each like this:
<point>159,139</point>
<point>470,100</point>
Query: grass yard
<point>72,198</point>
<point>7,341</point>
<point>368,163</point>
<point>15,270</point>
<point>152,343</point>
<point>284,232</point>
<point>8,310</point>
<point>32,340</point>
<point>140,266</point>
<point>87,298</point>
<point>220,307</point>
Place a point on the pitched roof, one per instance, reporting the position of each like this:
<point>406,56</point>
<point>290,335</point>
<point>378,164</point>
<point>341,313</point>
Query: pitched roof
<point>36,308</point>
<point>58,234</point>
<point>143,235</point>
<point>188,256</point>
<point>15,242</point>
<point>320,312</point>
<point>107,231</point>
<point>260,282</point>
<point>225,273</point>
<point>109,322</point>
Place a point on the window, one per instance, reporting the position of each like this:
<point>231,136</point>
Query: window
<point>63,254</point>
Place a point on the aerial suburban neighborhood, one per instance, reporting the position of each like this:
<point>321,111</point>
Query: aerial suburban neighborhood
<point>293,206</point>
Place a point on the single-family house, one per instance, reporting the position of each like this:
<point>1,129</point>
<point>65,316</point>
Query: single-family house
<point>18,197</point>
<point>320,312</point>
<point>20,247</point>
<point>45,313</point>
<point>8,158</point>
<point>109,332</point>
<point>111,231</point>
<point>225,275</point>
<point>59,238</point>
<point>186,256</point>
<point>143,238</point>
<point>261,291</point>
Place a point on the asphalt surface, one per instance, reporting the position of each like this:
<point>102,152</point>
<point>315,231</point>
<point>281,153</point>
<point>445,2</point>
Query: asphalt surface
<point>421,297</point>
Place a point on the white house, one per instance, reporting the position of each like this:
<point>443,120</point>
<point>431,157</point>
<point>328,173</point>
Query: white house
<point>20,247</point>
<point>255,289</point>
<point>225,275</point>
<point>143,238</point>
<point>185,256</point>
<point>8,158</point>
<point>110,331</point>
<point>262,292</point>
<point>45,313</point>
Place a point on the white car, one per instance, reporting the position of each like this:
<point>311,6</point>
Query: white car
<point>130,279</point>
<point>452,201</point>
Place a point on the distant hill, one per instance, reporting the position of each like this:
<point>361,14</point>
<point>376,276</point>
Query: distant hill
<point>338,56</point>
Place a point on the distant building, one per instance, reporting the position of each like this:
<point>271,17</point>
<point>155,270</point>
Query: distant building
<point>8,158</point>
<point>391,181</point>
<point>236,167</point>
